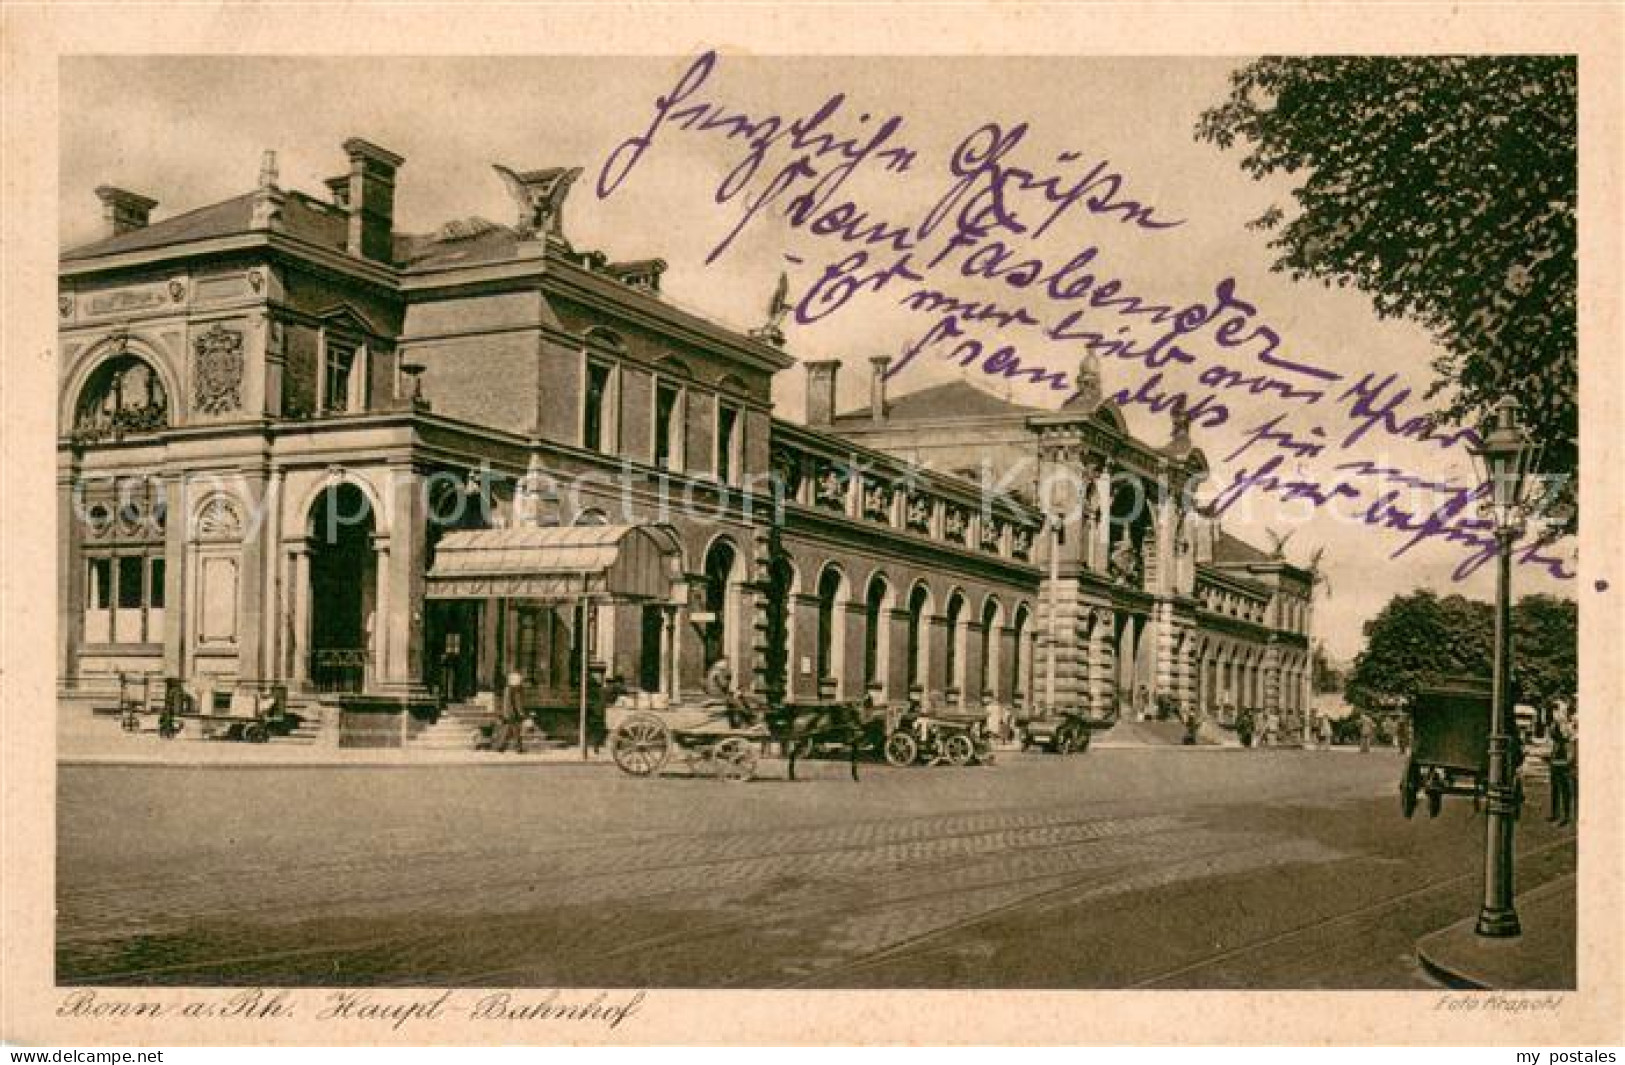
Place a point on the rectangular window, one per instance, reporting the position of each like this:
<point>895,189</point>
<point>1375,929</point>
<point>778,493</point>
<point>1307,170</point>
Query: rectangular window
<point>129,583</point>
<point>727,441</point>
<point>100,593</point>
<point>155,585</point>
<point>666,401</point>
<point>593,422</point>
<point>337,371</point>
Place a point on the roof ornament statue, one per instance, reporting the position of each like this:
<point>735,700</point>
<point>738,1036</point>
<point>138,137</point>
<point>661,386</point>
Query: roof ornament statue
<point>1279,541</point>
<point>268,198</point>
<point>1179,445</point>
<point>539,195</point>
<point>778,308</point>
<point>1090,390</point>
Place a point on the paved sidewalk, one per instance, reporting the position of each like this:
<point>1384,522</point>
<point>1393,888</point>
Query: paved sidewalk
<point>1542,958</point>
<point>110,747</point>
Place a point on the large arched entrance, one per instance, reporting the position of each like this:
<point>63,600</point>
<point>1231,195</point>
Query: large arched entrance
<point>343,581</point>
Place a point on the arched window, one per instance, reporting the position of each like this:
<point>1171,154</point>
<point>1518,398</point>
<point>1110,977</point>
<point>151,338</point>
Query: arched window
<point>954,615</point>
<point>829,626</point>
<point>719,571</point>
<point>988,651</point>
<point>124,395</point>
<point>919,601</point>
<point>1018,664</point>
<point>874,628</point>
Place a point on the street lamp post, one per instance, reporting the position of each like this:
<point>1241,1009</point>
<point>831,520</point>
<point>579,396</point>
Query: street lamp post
<point>1505,459</point>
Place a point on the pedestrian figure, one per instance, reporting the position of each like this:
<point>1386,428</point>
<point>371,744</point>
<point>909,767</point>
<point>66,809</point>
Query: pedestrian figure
<point>1560,762</point>
<point>1368,732</point>
<point>1325,732</point>
<point>511,717</point>
<point>1244,726</point>
<point>1402,734</point>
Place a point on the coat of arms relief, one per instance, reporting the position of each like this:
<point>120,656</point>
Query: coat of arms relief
<point>217,371</point>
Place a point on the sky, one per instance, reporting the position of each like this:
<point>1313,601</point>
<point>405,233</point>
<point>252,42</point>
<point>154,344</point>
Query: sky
<point>190,131</point>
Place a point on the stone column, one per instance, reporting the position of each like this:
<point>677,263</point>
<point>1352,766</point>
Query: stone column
<point>383,633</point>
<point>936,668</point>
<point>804,618</point>
<point>894,662</point>
<point>971,693</point>
<point>254,556</point>
<point>177,512</point>
<point>401,584</point>
<point>70,579</point>
<point>849,670</point>
<point>297,596</point>
<point>1004,681</point>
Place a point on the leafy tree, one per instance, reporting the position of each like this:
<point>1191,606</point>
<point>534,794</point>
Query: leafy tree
<point>1420,637</point>
<point>1445,187</point>
<point>1415,638</point>
<point>1545,648</point>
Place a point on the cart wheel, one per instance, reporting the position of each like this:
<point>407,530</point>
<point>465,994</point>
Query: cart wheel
<point>901,749</point>
<point>734,760</point>
<point>130,722</point>
<point>1064,741</point>
<point>168,729</point>
<point>256,733</point>
<point>958,749</point>
<point>640,745</point>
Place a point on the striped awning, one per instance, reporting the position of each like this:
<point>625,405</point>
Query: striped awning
<point>556,564</point>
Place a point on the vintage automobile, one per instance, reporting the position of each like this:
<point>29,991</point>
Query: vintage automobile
<point>937,738</point>
<point>1065,730</point>
<point>1450,731</point>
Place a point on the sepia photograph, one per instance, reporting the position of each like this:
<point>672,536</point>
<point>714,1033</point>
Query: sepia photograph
<point>541,531</point>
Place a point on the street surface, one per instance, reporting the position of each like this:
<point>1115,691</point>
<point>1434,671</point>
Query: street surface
<point>1116,868</point>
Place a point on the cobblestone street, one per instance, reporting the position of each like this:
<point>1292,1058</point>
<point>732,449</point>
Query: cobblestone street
<point>1117,868</point>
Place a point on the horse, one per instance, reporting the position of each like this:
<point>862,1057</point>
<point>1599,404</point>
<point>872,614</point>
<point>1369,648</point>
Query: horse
<point>800,727</point>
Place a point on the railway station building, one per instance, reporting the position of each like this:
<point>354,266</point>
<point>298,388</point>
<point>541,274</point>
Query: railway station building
<point>303,451</point>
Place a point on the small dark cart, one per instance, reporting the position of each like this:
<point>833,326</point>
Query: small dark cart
<point>1450,722</point>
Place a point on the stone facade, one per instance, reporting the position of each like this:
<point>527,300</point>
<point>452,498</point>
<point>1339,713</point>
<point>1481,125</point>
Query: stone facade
<point>273,408</point>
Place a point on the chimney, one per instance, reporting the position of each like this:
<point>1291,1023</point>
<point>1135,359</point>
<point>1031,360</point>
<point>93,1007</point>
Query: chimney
<point>123,211</point>
<point>371,200</point>
<point>339,189</point>
<point>877,387</point>
<point>821,391</point>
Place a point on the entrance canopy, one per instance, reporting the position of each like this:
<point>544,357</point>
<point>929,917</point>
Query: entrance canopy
<point>556,564</point>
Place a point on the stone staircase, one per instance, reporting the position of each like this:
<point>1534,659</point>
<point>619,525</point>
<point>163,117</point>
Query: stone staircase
<point>458,729</point>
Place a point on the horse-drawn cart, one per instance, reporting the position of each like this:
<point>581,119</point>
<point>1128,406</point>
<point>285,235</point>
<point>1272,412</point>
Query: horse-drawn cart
<point>727,741</point>
<point>1450,744</point>
<point>643,741</point>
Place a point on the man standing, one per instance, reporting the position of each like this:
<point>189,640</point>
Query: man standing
<point>1560,761</point>
<point>1368,732</point>
<point>511,717</point>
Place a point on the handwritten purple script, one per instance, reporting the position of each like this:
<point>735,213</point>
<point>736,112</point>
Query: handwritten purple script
<point>982,232</point>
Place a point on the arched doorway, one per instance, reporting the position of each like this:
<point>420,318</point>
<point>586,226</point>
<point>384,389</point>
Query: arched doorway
<point>954,661</point>
<point>1021,658</point>
<point>919,608</point>
<point>721,565</point>
<point>830,660</point>
<point>343,584</point>
<point>876,645</point>
<point>988,649</point>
